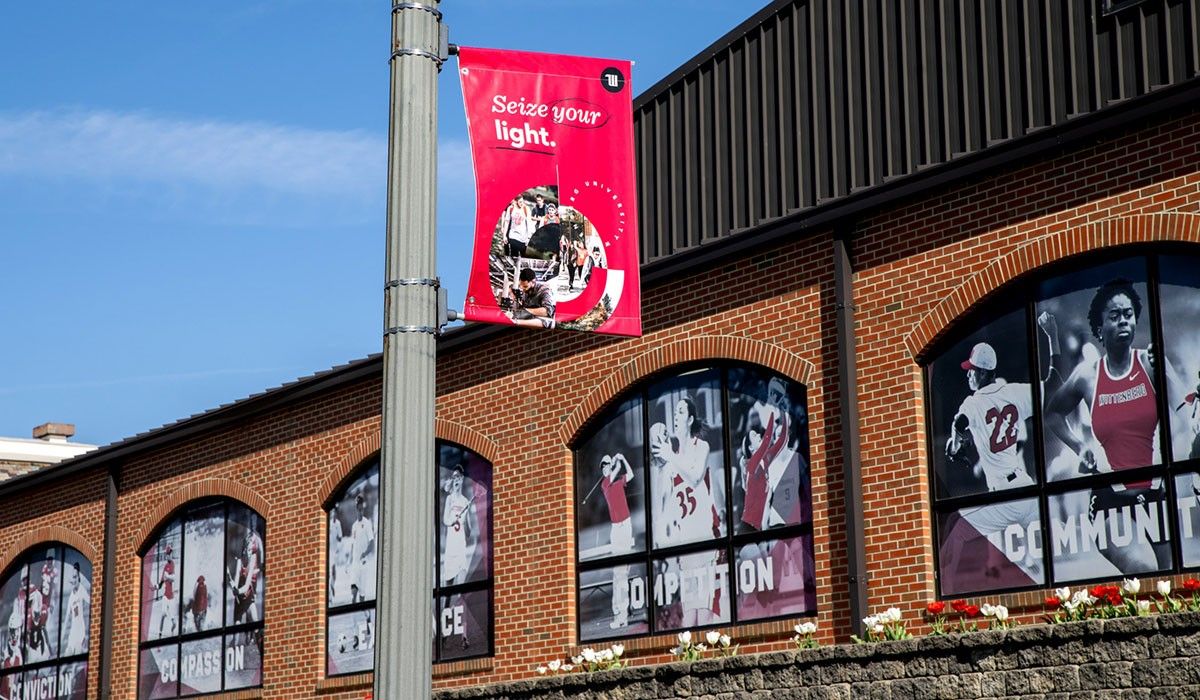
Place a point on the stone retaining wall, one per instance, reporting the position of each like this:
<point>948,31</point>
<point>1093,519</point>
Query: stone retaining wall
<point>1144,657</point>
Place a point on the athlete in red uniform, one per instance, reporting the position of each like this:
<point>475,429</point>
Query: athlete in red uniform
<point>1120,388</point>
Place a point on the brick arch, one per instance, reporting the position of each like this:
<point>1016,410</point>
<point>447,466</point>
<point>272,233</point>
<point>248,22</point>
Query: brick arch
<point>705,347</point>
<point>43,535</point>
<point>1118,231</point>
<point>205,488</point>
<point>449,431</point>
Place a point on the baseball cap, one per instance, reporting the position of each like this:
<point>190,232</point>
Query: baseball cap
<point>982,357</point>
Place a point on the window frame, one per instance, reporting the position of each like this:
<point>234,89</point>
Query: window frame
<point>728,544</point>
<point>25,558</point>
<point>221,633</point>
<point>438,591</point>
<point>1025,288</point>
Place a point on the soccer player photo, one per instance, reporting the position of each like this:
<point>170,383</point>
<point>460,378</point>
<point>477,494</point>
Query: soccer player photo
<point>769,427</point>
<point>353,522</point>
<point>1104,418</point>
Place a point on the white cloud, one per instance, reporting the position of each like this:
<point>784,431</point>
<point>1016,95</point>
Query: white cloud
<point>234,172</point>
<point>111,146</point>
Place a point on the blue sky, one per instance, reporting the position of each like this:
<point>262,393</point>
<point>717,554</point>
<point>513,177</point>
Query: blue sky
<point>192,193</point>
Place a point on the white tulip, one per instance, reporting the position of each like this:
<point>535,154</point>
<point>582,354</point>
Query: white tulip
<point>987,610</point>
<point>618,649</point>
<point>892,615</point>
<point>713,637</point>
<point>1063,594</point>
<point>576,660</point>
<point>700,647</point>
<point>1164,588</point>
<point>685,638</point>
<point>567,668</point>
<point>1132,586</point>
<point>725,640</point>
<point>870,620</point>
<point>877,629</point>
<point>606,655</point>
<point>555,665</point>
<point>541,670</point>
<point>1143,607</point>
<point>1000,612</point>
<point>807,628</point>
<point>589,655</point>
<point>676,651</point>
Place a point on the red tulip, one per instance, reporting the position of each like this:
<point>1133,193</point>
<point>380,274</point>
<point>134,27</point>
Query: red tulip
<point>936,607</point>
<point>1053,602</point>
<point>972,611</point>
<point>959,605</point>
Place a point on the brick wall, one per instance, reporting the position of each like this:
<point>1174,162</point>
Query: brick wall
<point>522,398</point>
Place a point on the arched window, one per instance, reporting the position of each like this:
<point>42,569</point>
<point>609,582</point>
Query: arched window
<point>462,606</point>
<point>202,593</point>
<point>46,606</point>
<point>1063,427</point>
<point>693,505</point>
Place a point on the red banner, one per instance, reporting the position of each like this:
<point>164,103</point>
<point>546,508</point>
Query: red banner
<point>556,242</point>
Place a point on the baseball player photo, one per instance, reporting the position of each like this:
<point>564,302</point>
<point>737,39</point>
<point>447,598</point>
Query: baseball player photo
<point>1104,418</point>
<point>769,426</point>
<point>982,405</point>
<point>464,509</point>
<point>352,540</point>
<point>687,487</point>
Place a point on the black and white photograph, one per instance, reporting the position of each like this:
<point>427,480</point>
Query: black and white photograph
<point>768,426</point>
<point>350,642</point>
<point>464,516</point>
<point>14,592</point>
<point>72,681</point>
<point>158,672</point>
<point>161,569</point>
<point>1179,296</point>
<point>774,578</point>
<point>353,522</point>
<point>687,475</point>
<point>614,602</point>
<point>1110,532</point>
<point>200,664</point>
<point>552,240</point>
<point>1187,499</point>
<point>981,409</point>
<point>200,592</point>
<point>243,659</point>
<point>463,622</point>
<point>42,605</point>
<point>11,685</point>
<point>245,561</point>
<point>691,590</point>
<point>77,603</point>
<point>610,485</point>
<point>990,547</point>
<point>1104,415</point>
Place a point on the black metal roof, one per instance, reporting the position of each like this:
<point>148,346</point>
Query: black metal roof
<point>814,111</point>
<point>810,102</point>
